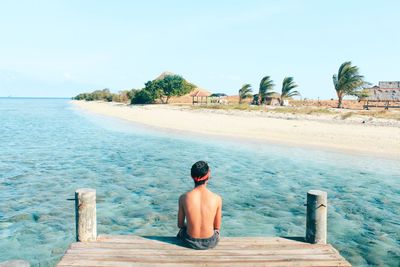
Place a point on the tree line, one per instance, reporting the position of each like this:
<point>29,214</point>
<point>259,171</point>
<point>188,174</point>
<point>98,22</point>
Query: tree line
<point>347,81</point>
<point>266,91</point>
<point>159,90</point>
<point>106,95</point>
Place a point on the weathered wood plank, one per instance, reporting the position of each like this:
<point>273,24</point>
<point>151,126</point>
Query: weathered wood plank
<point>203,259</point>
<point>136,239</point>
<point>248,254</point>
<point>194,260</point>
<point>93,263</point>
<point>220,246</point>
<point>154,252</point>
<point>164,251</point>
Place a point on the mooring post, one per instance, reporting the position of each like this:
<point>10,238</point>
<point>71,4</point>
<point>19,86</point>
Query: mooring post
<point>85,215</point>
<point>316,224</point>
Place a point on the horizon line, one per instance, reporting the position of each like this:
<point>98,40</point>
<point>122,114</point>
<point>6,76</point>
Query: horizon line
<point>37,97</point>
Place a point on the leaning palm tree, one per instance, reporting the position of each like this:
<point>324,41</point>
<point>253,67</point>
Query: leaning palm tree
<point>348,81</point>
<point>244,92</point>
<point>288,85</point>
<point>266,89</point>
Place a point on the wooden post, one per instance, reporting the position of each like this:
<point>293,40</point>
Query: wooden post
<point>85,215</point>
<point>316,225</point>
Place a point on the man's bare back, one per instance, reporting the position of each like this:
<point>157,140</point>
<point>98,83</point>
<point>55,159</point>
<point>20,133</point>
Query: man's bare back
<point>202,210</point>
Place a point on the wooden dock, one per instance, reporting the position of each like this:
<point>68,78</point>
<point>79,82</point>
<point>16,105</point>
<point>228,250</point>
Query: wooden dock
<point>129,250</point>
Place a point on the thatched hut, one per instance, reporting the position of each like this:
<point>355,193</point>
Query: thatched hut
<point>200,96</point>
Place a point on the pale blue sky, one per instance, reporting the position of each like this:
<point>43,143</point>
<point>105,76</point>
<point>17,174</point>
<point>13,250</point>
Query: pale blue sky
<point>61,48</point>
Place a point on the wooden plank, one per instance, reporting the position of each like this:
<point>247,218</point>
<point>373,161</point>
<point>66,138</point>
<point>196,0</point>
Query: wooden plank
<point>209,258</point>
<point>115,255</point>
<point>93,263</point>
<point>165,251</point>
<point>220,246</point>
<point>135,239</point>
<point>155,252</point>
<point>198,259</point>
<point>174,240</point>
<point>192,260</point>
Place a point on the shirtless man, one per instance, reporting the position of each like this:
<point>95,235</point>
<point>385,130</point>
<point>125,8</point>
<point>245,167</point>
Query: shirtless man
<point>202,210</point>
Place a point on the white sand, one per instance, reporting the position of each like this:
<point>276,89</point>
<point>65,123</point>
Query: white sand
<point>318,131</point>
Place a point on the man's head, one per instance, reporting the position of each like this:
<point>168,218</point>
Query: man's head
<point>200,173</point>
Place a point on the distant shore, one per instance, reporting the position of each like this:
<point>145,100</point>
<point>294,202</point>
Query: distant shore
<point>316,131</point>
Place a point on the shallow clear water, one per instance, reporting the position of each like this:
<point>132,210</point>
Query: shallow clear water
<point>48,149</point>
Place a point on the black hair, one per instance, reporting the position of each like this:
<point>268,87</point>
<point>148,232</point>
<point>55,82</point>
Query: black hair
<point>199,169</point>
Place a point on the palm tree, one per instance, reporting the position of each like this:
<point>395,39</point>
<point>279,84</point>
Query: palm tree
<point>348,81</point>
<point>288,85</point>
<point>244,92</point>
<point>266,86</point>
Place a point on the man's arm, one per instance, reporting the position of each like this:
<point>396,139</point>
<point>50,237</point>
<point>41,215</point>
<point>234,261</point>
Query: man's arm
<point>181,213</point>
<point>218,215</point>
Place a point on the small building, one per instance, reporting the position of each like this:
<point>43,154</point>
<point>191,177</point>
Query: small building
<point>219,98</point>
<point>272,100</point>
<point>200,96</point>
<point>387,93</point>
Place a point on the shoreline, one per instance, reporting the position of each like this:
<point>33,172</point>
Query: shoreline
<point>315,132</point>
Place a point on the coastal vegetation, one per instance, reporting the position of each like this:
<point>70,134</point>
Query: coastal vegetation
<point>288,86</point>
<point>106,95</point>
<point>162,90</point>
<point>159,90</point>
<point>265,89</point>
<point>348,81</point>
<point>142,97</point>
<point>245,92</point>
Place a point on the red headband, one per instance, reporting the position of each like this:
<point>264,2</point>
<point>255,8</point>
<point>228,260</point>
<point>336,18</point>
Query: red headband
<point>205,177</point>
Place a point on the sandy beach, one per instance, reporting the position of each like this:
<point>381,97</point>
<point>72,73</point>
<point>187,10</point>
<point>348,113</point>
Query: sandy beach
<point>373,137</point>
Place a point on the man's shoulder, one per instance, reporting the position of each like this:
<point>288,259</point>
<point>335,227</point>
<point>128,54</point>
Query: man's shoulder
<point>216,195</point>
<point>182,197</point>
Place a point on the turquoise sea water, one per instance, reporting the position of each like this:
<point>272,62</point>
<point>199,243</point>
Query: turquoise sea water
<point>48,149</point>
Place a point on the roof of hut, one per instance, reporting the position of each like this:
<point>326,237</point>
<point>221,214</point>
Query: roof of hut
<point>379,94</point>
<point>270,96</point>
<point>219,95</point>
<point>389,85</point>
<point>199,92</point>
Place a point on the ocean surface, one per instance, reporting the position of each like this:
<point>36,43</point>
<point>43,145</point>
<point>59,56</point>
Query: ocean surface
<point>48,149</point>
